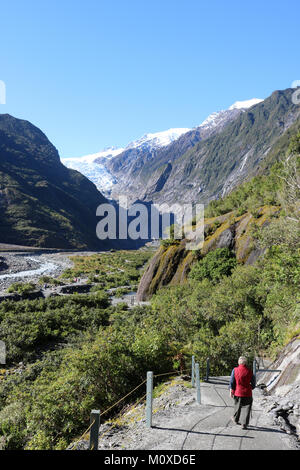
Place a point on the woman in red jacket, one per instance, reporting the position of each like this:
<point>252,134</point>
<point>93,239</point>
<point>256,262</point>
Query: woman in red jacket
<point>242,382</point>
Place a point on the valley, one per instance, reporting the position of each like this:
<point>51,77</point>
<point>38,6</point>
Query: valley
<point>82,319</point>
<point>149,229</point>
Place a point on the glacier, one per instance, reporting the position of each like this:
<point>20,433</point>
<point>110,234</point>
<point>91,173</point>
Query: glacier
<point>93,166</point>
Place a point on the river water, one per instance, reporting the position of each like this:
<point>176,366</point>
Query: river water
<point>45,267</point>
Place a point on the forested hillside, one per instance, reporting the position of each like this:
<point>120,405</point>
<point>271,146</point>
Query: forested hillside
<point>42,202</point>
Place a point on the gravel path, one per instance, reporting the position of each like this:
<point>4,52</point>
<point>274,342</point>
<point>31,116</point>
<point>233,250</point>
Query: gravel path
<point>180,423</point>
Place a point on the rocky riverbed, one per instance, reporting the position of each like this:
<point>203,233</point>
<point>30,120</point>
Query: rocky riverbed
<point>28,267</point>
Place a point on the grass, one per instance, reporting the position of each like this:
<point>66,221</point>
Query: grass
<point>109,270</point>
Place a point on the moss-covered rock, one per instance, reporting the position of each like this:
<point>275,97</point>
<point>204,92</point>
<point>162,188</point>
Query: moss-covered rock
<point>161,270</point>
<point>171,264</point>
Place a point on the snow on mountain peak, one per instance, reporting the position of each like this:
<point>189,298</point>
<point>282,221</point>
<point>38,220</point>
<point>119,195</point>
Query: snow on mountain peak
<point>106,153</point>
<point>213,119</point>
<point>245,104</point>
<point>218,117</point>
<point>158,139</point>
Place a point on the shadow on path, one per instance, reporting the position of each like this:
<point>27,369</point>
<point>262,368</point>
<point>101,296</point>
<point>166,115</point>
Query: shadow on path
<point>203,433</point>
<point>216,381</point>
<point>257,428</point>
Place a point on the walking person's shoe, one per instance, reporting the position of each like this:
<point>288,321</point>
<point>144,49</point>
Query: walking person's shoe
<point>244,426</point>
<point>234,421</point>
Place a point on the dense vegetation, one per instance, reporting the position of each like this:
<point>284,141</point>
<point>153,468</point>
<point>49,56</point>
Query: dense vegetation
<point>224,309</point>
<point>109,270</point>
<point>214,265</point>
<point>21,287</point>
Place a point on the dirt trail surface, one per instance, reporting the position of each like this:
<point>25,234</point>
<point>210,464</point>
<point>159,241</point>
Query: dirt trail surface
<point>180,423</point>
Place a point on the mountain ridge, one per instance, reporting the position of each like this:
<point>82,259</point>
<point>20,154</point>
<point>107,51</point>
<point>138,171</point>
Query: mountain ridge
<point>43,203</point>
<point>208,165</point>
<point>105,175</point>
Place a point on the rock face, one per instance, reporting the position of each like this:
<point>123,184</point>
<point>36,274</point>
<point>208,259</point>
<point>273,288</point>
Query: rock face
<point>284,387</point>
<point>171,264</point>
<point>288,362</point>
<point>168,266</point>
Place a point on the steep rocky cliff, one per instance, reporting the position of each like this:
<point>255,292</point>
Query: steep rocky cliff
<point>283,388</point>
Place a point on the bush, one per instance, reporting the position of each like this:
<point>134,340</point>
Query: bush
<point>29,326</point>
<point>21,288</point>
<point>214,265</point>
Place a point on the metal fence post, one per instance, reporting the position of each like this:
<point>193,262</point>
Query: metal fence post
<point>198,383</point>
<point>193,371</point>
<point>94,432</point>
<point>207,369</point>
<point>149,399</point>
<point>254,368</point>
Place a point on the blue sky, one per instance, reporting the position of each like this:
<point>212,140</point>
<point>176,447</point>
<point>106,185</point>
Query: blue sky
<point>96,73</point>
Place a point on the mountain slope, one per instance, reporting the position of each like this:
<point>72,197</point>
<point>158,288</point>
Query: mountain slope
<point>43,203</point>
<point>268,201</point>
<point>120,170</point>
<point>133,168</point>
<point>96,166</point>
<point>207,163</point>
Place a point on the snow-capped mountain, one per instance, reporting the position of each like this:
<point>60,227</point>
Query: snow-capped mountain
<point>93,166</point>
<point>217,118</point>
<point>158,139</point>
<point>98,168</point>
<point>245,104</point>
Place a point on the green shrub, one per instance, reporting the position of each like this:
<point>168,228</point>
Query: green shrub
<point>21,288</point>
<point>214,265</point>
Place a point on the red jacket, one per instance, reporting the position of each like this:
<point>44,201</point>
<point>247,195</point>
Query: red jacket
<point>243,381</point>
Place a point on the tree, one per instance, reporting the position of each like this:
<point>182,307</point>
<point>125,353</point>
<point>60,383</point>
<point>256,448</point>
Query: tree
<point>290,176</point>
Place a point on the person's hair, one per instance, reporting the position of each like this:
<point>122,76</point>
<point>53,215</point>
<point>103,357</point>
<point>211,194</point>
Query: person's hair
<point>242,360</point>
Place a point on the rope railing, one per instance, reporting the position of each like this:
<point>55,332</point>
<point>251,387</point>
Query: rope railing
<point>94,425</point>
<point>123,398</point>
<point>116,423</point>
<point>173,372</point>
<point>195,381</point>
<point>83,435</point>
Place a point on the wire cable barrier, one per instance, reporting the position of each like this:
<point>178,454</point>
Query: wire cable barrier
<point>173,372</point>
<point>120,401</point>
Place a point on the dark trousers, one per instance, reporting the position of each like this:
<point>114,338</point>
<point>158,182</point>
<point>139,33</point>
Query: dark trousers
<point>242,409</point>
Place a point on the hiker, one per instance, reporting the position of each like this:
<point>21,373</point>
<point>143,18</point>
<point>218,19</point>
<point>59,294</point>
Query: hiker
<point>242,382</point>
